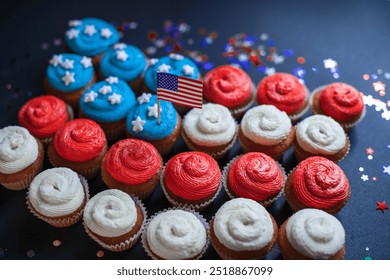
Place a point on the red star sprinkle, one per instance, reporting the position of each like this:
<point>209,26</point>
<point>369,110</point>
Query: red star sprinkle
<point>369,151</point>
<point>382,206</point>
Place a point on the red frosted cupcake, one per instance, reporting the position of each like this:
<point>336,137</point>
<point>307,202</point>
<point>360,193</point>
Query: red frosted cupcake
<point>340,101</point>
<point>43,115</point>
<point>133,166</point>
<point>191,179</point>
<point>80,145</point>
<point>285,92</point>
<point>254,175</point>
<point>231,87</point>
<point>317,183</point>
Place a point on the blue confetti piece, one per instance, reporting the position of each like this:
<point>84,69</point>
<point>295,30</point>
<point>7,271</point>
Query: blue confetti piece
<point>245,64</point>
<point>288,53</point>
<point>168,48</point>
<point>262,69</point>
<point>314,69</point>
<point>299,72</point>
<point>251,39</point>
<point>208,66</point>
<point>374,77</point>
<point>271,43</point>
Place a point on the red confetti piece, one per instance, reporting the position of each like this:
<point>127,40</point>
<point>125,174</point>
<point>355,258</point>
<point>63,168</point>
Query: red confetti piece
<point>232,42</point>
<point>369,151</point>
<point>100,254</point>
<point>229,54</point>
<point>255,59</point>
<point>301,60</point>
<point>56,243</point>
<point>366,77</point>
<point>374,178</point>
<point>213,35</point>
<point>152,35</point>
<point>176,47</point>
<point>382,206</point>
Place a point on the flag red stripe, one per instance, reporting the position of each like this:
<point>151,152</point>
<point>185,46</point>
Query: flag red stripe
<point>197,91</point>
<point>173,94</point>
<point>185,79</point>
<point>191,104</point>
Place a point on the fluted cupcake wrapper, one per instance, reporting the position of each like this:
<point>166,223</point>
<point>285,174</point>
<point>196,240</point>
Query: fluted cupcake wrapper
<point>127,244</point>
<point>225,178</point>
<point>58,221</point>
<point>239,112</point>
<point>204,222</point>
<point>296,117</point>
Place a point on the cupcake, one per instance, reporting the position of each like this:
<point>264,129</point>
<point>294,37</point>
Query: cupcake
<point>254,176</point>
<point>312,234</point>
<point>21,157</point>
<point>286,93</point>
<point>176,234</point>
<point>243,229</point>
<point>211,130</point>
<point>67,76</point>
<point>58,196</point>
<point>80,145</point>
<point>126,62</point>
<point>317,183</point>
<point>176,64</point>
<point>191,179</point>
<point>340,101</point>
<point>320,135</point>
<point>43,115</point>
<point>114,219</point>
<point>142,123</point>
<point>266,129</point>
<point>108,103</point>
<point>91,37</point>
<point>133,166</point>
<point>231,87</point>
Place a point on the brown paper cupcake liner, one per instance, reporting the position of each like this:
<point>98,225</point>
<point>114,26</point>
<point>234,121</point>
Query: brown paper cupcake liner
<point>239,112</point>
<point>87,173</point>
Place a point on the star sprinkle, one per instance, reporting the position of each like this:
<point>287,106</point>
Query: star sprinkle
<point>119,46</point>
<point>121,55</point>
<point>379,86</point>
<point>55,60</point>
<point>68,78</point>
<point>153,61</point>
<point>74,23</point>
<point>269,71</point>
<point>330,63</point>
<point>72,33</point>
<point>115,98</point>
<point>105,89</point>
<point>164,68</point>
<point>90,97</point>
<point>105,33</point>
<point>176,56</point>
<point>188,70</point>
<point>68,64</point>
<point>153,111</point>
<point>138,124</point>
<point>386,169</point>
<point>144,98</point>
<point>386,115</point>
<point>382,206</point>
<point>369,151</point>
<point>364,177</point>
<point>112,80</point>
<point>90,29</point>
<point>86,62</point>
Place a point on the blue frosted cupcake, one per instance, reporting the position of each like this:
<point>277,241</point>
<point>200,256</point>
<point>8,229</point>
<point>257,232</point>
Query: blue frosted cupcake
<point>68,75</point>
<point>90,37</point>
<point>126,62</point>
<point>108,103</point>
<point>142,123</point>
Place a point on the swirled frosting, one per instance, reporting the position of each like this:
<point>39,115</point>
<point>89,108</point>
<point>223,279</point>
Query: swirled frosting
<point>341,101</point>
<point>255,176</point>
<point>126,62</point>
<point>192,175</point>
<point>320,183</point>
<point>90,36</point>
<point>315,233</point>
<point>43,115</point>
<point>176,234</point>
<point>79,140</point>
<point>18,149</point>
<point>266,125</point>
<point>110,213</point>
<point>107,101</point>
<point>132,161</point>
<point>282,90</point>
<point>142,120</point>
<point>227,85</point>
<point>320,134</point>
<point>175,64</point>
<point>69,72</point>
<point>56,192</point>
<point>242,224</point>
<point>211,126</point>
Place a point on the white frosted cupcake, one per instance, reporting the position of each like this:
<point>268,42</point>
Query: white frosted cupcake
<point>21,157</point>
<point>58,196</point>
<point>176,234</point>
<point>320,135</point>
<point>266,129</point>
<point>312,234</point>
<point>243,229</point>
<point>211,130</point>
<point>114,219</point>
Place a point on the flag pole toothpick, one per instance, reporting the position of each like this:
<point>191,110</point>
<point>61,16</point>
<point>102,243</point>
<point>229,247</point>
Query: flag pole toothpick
<point>158,111</point>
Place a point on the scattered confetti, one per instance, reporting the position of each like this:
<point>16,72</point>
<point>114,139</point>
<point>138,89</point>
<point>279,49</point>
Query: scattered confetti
<point>369,151</point>
<point>367,249</point>
<point>386,169</point>
<point>301,60</point>
<point>374,178</point>
<point>364,177</point>
<point>100,254</point>
<point>370,157</point>
<point>30,253</point>
<point>368,258</point>
<point>56,243</point>
<point>57,42</point>
<point>382,206</point>
<point>361,169</point>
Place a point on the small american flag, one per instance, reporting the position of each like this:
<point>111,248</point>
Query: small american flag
<point>180,90</point>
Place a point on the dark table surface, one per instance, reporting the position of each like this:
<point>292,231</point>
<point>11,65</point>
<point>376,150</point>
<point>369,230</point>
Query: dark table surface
<point>318,41</point>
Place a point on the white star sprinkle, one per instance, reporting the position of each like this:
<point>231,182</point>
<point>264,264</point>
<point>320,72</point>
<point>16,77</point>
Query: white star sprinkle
<point>188,70</point>
<point>153,61</point>
<point>112,80</point>
<point>55,60</point>
<point>176,56</point>
<point>164,68</point>
<point>144,98</point>
<point>138,124</point>
<point>330,63</point>
<point>72,33</point>
<point>115,98</point>
<point>386,115</point>
<point>67,64</point>
<point>153,112</point>
<point>74,23</point>
<point>105,33</point>
<point>364,177</point>
<point>269,71</point>
<point>68,78</point>
<point>119,46</point>
<point>90,96</point>
<point>86,61</point>
<point>121,55</point>
<point>105,89</point>
<point>90,29</point>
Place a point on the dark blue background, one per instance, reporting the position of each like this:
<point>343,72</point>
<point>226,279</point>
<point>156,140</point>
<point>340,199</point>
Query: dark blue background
<point>353,33</point>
